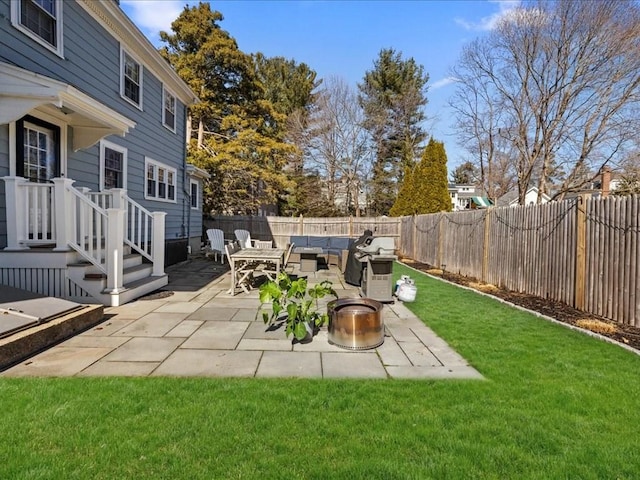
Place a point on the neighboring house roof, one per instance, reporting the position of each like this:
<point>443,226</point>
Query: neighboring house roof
<point>114,20</point>
<point>22,90</point>
<point>506,199</point>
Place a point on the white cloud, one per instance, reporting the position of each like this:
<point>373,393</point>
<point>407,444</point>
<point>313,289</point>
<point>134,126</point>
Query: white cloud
<point>443,82</point>
<point>151,16</point>
<point>505,10</point>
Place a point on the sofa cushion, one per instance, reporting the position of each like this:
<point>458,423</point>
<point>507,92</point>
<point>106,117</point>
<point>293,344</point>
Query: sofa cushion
<point>299,241</point>
<point>339,243</point>
<point>322,242</point>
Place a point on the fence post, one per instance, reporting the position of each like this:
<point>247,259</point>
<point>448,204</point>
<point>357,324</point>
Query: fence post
<point>485,246</point>
<point>301,226</point>
<point>351,225</point>
<point>581,257</point>
<point>414,237</point>
<point>440,239</point>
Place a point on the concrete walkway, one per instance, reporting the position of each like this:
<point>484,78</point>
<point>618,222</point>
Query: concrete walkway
<point>194,328</point>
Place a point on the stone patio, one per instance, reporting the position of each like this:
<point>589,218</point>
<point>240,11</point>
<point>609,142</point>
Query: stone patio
<point>195,328</point>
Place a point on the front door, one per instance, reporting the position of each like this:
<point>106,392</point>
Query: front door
<point>38,160</point>
<point>37,150</point>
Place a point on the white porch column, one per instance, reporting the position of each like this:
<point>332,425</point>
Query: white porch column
<point>63,213</point>
<point>157,244</point>
<point>16,229</point>
<point>115,250</point>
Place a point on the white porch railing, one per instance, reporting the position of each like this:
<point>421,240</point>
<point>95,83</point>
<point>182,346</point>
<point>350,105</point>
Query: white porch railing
<point>95,224</point>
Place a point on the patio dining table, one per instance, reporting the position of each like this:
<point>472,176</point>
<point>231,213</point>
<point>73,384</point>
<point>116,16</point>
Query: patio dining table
<point>246,261</point>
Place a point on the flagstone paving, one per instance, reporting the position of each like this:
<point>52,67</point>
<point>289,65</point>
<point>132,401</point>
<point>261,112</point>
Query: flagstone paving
<point>195,328</point>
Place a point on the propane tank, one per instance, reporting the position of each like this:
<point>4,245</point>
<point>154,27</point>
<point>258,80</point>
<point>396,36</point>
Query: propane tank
<point>407,291</point>
<point>402,280</point>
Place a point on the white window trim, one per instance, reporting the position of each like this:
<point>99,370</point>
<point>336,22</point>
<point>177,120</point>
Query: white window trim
<point>112,146</point>
<point>127,99</point>
<point>150,161</point>
<point>198,194</point>
<point>63,142</point>
<point>15,21</point>
<point>165,92</point>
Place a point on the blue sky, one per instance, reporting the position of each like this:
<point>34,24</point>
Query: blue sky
<point>343,38</point>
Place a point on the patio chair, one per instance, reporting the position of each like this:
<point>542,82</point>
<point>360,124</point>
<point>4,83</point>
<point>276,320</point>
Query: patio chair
<point>269,269</point>
<point>216,243</point>
<point>287,256</point>
<point>243,274</point>
<point>263,243</point>
<point>244,237</point>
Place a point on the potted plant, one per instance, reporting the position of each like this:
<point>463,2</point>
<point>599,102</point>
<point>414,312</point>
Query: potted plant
<point>296,304</point>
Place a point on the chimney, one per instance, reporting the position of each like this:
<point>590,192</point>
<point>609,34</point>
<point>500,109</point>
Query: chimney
<point>605,180</point>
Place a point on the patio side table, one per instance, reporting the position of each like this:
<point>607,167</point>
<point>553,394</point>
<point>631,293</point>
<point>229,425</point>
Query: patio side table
<point>308,258</point>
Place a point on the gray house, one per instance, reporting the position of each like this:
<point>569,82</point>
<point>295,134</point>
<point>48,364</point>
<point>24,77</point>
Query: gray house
<point>95,195</point>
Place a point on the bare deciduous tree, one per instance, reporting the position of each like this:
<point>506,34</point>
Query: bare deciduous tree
<point>339,146</point>
<point>560,82</point>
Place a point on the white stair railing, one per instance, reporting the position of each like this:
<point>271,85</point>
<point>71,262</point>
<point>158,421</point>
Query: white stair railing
<point>95,224</point>
<point>88,228</point>
<point>143,230</point>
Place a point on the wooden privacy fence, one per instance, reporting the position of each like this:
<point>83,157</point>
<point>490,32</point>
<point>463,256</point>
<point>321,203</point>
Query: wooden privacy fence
<point>280,229</point>
<point>583,252</point>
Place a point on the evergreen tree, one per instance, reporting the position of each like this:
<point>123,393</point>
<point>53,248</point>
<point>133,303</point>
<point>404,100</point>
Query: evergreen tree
<point>465,174</point>
<point>393,95</point>
<point>430,193</point>
<point>289,86</point>
<point>240,135</point>
<point>405,201</point>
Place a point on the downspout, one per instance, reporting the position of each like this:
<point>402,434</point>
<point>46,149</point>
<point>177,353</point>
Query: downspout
<point>186,202</point>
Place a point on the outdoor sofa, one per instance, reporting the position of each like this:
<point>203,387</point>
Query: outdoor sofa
<point>334,249</point>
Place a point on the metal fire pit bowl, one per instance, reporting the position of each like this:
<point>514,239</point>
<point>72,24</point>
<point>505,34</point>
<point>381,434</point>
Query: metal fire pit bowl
<point>355,323</point>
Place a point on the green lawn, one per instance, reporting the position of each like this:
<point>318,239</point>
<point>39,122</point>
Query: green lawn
<point>556,404</point>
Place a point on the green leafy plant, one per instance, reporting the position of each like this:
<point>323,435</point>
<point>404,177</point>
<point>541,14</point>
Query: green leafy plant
<point>295,303</point>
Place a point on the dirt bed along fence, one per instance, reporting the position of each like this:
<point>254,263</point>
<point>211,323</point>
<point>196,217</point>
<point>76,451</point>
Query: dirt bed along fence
<point>583,252</point>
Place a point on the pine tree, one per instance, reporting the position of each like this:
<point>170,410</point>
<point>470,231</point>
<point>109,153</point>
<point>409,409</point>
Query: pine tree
<point>238,134</point>
<point>393,95</point>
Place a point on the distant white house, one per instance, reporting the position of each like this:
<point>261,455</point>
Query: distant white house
<point>510,199</point>
<point>467,197</point>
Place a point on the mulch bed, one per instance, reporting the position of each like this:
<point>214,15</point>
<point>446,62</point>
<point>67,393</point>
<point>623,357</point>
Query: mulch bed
<point>626,334</point>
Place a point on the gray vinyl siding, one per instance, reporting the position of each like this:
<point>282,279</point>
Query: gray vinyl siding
<point>91,64</point>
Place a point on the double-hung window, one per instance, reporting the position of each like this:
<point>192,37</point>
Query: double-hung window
<point>194,194</point>
<point>113,165</point>
<point>131,79</point>
<point>41,20</point>
<point>168,110</point>
<point>161,181</point>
